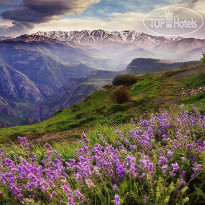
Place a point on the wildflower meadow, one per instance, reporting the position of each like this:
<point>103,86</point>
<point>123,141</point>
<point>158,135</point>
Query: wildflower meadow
<point>160,161</point>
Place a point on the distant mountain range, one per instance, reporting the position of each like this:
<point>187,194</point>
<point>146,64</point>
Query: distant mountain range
<point>127,45</point>
<point>114,50</point>
<point>88,38</point>
<point>48,71</point>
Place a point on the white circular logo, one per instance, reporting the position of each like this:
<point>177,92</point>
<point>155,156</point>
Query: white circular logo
<point>173,21</point>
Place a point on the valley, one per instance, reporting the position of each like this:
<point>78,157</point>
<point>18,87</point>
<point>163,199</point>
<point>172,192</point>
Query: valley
<point>61,68</point>
<point>149,93</point>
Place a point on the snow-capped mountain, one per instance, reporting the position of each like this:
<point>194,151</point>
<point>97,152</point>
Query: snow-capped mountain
<point>2,38</point>
<point>127,40</point>
<point>119,48</point>
<point>99,36</point>
<point>87,36</point>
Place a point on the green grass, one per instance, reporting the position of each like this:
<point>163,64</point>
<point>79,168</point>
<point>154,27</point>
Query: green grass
<point>151,92</point>
<point>70,142</point>
<point>196,81</point>
<point>148,86</point>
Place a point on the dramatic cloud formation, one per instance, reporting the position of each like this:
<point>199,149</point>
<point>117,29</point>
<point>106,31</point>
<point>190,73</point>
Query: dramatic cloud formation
<point>116,21</point>
<point>33,12</point>
<point>28,16</point>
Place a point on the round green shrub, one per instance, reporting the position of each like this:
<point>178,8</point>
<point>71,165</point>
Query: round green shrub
<point>124,79</point>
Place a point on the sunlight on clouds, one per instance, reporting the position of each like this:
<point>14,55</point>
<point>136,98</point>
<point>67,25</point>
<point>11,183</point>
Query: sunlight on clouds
<point>117,21</point>
<point>52,19</point>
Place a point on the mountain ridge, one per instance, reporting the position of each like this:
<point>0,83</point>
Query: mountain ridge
<point>127,36</point>
<point>127,44</point>
<point>117,48</point>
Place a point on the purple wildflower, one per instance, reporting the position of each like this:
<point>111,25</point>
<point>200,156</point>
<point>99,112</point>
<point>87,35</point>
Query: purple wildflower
<point>183,174</point>
<point>79,195</point>
<point>162,160</point>
<point>115,187</point>
<point>175,167</point>
<point>164,167</point>
<point>48,146</point>
<point>169,153</point>
<point>24,142</point>
<point>70,201</point>
<point>117,199</point>
<point>86,140</point>
<point>197,169</point>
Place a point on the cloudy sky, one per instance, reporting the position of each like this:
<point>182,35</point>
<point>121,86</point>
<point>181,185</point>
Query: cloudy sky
<point>29,16</point>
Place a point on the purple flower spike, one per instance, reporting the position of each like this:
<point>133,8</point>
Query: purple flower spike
<point>117,199</point>
<point>86,140</point>
<point>48,146</point>
<point>175,167</point>
<point>115,187</point>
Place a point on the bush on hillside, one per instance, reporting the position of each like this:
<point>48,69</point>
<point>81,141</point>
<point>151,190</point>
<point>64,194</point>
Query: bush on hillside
<point>120,95</point>
<point>124,79</point>
<point>203,59</point>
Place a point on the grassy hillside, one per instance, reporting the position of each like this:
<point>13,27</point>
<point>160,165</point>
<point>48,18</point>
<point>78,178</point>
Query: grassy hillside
<point>150,65</point>
<point>151,92</point>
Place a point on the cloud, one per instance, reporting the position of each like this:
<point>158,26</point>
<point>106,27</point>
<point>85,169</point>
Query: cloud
<point>193,3</point>
<point>116,21</point>
<point>8,2</point>
<point>199,5</point>
<point>39,11</point>
<point>46,15</point>
<point>8,28</point>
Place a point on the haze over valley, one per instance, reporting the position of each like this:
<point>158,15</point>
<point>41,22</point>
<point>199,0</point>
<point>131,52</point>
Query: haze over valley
<point>63,67</point>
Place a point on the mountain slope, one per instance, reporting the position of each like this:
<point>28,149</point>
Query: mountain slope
<point>28,78</point>
<point>64,52</point>
<point>41,68</point>
<point>15,85</point>
<point>69,96</point>
<point>95,81</point>
<point>151,92</point>
<point>51,85</point>
<point>149,65</point>
<point>70,93</point>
